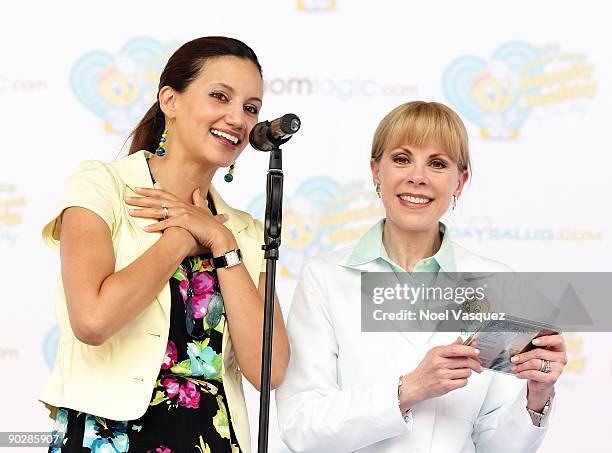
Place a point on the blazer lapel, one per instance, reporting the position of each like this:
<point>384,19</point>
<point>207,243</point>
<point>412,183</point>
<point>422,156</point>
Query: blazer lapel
<point>134,172</point>
<point>418,340</point>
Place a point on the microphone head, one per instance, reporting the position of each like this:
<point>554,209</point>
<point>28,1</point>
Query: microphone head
<point>268,135</point>
<point>290,123</point>
<point>258,137</point>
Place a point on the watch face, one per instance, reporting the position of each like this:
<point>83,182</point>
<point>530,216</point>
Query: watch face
<point>232,258</point>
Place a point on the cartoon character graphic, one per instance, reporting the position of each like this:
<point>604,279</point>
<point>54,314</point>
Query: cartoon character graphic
<point>303,233</point>
<point>119,89</point>
<point>488,93</point>
<point>495,90</point>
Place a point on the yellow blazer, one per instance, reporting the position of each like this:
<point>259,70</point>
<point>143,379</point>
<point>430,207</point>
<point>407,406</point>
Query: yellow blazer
<point>116,379</point>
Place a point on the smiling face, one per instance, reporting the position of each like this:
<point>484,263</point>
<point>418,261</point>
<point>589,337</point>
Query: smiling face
<point>211,120</point>
<point>417,184</point>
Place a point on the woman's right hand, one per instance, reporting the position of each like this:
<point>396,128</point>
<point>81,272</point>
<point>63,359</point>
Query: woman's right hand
<point>444,368</point>
<point>206,229</point>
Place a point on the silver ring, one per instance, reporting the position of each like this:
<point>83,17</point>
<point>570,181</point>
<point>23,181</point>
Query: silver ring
<point>545,366</point>
<point>165,209</point>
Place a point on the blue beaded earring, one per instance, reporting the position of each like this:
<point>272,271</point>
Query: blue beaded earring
<point>161,150</point>
<point>229,177</point>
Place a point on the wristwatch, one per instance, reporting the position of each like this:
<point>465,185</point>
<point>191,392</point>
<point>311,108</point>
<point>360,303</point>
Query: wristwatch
<point>406,415</point>
<point>538,417</point>
<point>228,259</point>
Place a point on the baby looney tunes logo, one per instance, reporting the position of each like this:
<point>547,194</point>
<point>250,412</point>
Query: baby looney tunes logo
<point>120,88</point>
<point>499,94</point>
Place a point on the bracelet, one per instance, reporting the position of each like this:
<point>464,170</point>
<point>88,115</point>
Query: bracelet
<point>538,417</point>
<point>405,414</point>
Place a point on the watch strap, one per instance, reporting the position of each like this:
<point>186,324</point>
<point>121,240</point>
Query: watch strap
<point>228,259</point>
<point>538,417</point>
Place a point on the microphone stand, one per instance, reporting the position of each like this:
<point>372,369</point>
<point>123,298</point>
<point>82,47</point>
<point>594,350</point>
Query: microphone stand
<point>272,240</point>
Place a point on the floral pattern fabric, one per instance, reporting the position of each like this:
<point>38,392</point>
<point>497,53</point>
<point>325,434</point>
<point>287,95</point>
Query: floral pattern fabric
<point>188,410</point>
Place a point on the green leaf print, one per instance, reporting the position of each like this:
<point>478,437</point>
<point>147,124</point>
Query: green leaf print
<point>220,421</point>
<point>182,368</point>
<point>203,447</point>
<point>221,326</point>
<point>179,274</point>
<point>160,397</point>
<point>196,264</point>
<point>202,344</point>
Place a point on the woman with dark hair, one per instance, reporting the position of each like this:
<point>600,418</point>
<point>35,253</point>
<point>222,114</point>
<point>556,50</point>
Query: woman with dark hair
<point>160,303</point>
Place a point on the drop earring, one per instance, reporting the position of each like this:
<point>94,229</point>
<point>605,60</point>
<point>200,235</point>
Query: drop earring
<point>378,193</point>
<point>229,177</point>
<point>161,149</point>
<point>454,204</point>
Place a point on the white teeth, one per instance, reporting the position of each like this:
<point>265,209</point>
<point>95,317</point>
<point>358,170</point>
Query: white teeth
<point>225,135</point>
<point>416,200</point>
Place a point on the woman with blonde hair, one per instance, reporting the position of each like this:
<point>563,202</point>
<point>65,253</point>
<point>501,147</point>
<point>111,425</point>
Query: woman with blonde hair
<point>348,390</point>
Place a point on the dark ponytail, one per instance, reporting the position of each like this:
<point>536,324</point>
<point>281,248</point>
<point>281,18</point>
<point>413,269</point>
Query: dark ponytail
<point>183,68</point>
<point>147,133</point>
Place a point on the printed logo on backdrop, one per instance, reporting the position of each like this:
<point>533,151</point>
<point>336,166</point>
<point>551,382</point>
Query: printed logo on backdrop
<point>119,88</point>
<point>484,228</point>
<point>320,216</point>
<point>10,83</point>
<point>316,5</point>
<point>341,89</point>
<point>577,361</point>
<point>12,204</point>
<point>499,94</point>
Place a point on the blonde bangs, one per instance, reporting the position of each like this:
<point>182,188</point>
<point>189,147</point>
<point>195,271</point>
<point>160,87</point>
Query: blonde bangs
<point>421,124</point>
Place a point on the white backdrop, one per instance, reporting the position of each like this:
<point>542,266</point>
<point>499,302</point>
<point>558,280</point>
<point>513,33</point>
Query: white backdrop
<point>532,81</point>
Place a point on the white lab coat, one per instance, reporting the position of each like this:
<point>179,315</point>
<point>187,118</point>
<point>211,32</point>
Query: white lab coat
<point>340,389</point>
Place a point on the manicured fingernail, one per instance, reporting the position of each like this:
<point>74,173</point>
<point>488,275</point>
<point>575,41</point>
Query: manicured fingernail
<point>536,341</point>
<point>513,367</point>
<point>477,351</point>
<point>131,211</point>
<point>514,359</point>
<point>146,227</point>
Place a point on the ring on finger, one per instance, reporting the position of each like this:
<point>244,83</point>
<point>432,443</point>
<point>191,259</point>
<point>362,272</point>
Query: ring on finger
<point>545,366</point>
<point>165,209</point>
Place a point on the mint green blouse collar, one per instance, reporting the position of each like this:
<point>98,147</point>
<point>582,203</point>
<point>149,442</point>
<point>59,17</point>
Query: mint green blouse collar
<point>370,247</point>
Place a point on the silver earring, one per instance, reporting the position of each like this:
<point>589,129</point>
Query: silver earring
<point>454,205</point>
<point>378,191</point>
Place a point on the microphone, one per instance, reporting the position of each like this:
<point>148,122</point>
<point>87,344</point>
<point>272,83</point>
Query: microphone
<point>269,135</point>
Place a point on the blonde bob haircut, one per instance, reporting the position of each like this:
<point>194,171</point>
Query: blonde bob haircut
<point>420,123</point>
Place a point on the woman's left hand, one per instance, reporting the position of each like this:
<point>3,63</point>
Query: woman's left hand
<point>196,218</point>
<point>527,365</point>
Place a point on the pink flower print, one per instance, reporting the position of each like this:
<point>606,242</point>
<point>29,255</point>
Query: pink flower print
<point>203,288</point>
<point>170,357</point>
<point>161,449</point>
<point>172,386</point>
<point>189,396</point>
<point>183,286</point>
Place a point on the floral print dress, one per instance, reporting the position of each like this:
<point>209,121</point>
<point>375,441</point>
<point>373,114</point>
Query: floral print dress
<point>188,410</point>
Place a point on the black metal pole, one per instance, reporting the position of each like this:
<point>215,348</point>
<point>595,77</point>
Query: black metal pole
<point>272,238</point>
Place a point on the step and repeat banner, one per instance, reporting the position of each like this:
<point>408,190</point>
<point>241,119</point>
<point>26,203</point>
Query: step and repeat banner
<point>531,81</point>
